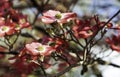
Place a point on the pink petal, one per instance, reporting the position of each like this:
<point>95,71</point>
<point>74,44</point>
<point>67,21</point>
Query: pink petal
<point>66,17</point>
<point>117,48</point>
<point>51,13</point>
<point>47,20</point>
<point>84,34</point>
<point>69,15</point>
<point>32,48</point>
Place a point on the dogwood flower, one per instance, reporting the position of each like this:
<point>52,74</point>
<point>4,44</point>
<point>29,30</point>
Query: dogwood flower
<point>114,42</point>
<point>5,30</point>
<point>82,29</point>
<point>38,49</point>
<point>52,16</point>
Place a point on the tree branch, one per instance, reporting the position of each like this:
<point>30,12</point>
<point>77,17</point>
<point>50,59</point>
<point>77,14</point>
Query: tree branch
<point>102,62</point>
<point>12,53</point>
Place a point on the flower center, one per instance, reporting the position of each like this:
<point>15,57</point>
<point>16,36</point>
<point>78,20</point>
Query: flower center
<point>40,48</point>
<point>17,26</point>
<point>90,32</point>
<point>5,28</point>
<point>58,16</point>
<point>22,21</point>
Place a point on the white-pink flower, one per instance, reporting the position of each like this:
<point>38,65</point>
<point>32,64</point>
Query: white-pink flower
<point>5,30</point>
<point>52,16</point>
<point>36,48</point>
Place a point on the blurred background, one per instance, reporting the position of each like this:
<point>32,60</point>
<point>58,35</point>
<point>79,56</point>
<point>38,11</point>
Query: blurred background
<point>85,9</point>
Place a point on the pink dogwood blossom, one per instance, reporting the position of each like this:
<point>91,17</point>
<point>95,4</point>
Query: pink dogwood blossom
<point>114,42</point>
<point>52,16</point>
<point>38,49</point>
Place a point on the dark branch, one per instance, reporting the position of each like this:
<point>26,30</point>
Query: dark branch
<point>102,62</point>
<point>12,53</point>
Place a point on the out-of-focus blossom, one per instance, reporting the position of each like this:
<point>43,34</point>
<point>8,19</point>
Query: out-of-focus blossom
<point>9,26</point>
<point>19,19</point>
<point>2,21</point>
<point>57,44</point>
<point>27,63</point>
<point>52,16</point>
<point>6,30</point>
<point>21,24</point>
<point>99,25</point>
<point>62,66</point>
<point>2,49</point>
<point>116,27</point>
<point>4,7</point>
<point>114,42</point>
<point>87,28</point>
<point>21,66</point>
<point>11,21</point>
<point>82,29</point>
<point>60,44</point>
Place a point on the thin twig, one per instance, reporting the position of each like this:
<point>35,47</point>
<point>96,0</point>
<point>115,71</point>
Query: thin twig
<point>12,53</point>
<point>104,26</point>
<point>90,41</point>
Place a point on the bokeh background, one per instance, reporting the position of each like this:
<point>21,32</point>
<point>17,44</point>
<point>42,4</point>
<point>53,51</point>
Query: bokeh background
<point>85,9</point>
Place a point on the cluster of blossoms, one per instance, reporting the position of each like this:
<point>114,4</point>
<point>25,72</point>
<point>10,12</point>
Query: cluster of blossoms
<point>65,30</point>
<point>11,21</point>
<point>59,43</point>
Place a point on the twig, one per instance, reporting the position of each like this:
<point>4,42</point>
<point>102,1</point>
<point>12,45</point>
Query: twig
<point>102,62</point>
<point>104,26</point>
<point>90,41</point>
<point>12,53</point>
